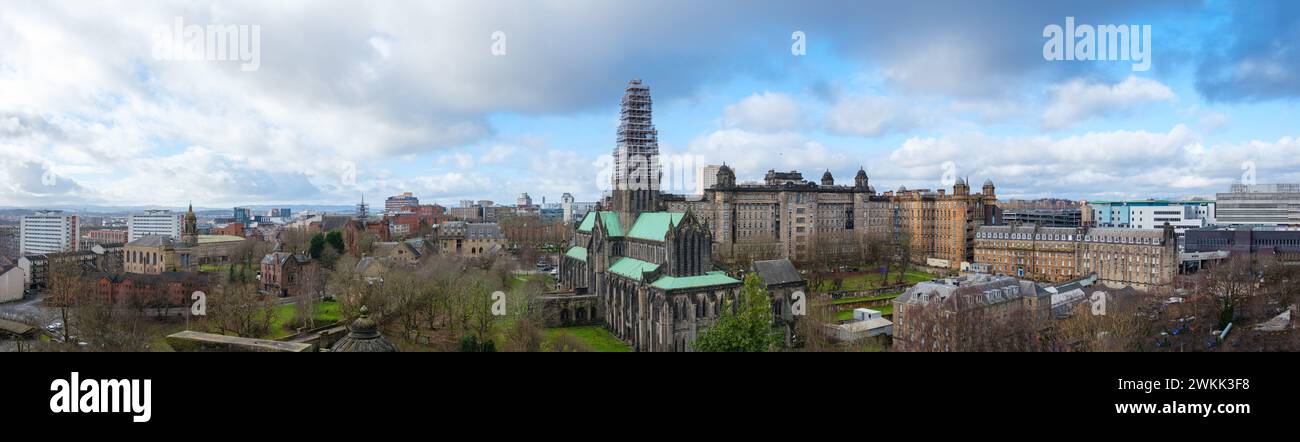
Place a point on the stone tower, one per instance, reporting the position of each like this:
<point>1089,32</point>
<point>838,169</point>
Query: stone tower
<point>861,181</point>
<point>190,232</point>
<point>636,156</point>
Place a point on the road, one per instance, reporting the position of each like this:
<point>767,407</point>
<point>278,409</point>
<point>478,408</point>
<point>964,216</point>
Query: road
<point>29,308</point>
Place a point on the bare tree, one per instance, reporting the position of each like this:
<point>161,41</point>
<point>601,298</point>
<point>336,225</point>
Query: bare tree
<point>236,307</point>
<point>67,285</point>
<point>307,291</point>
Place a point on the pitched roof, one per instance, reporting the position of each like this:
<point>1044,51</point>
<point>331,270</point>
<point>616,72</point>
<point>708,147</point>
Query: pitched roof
<point>609,219</point>
<point>578,253</point>
<point>777,272</point>
<point>151,241</point>
<point>275,258</point>
<point>687,282</point>
<point>654,225</point>
<point>632,267</point>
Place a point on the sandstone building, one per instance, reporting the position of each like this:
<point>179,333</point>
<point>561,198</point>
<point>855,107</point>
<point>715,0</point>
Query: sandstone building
<point>792,218</point>
<point>157,254</point>
<point>1138,258</point>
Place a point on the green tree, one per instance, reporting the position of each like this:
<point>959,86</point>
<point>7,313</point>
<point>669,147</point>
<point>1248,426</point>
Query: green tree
<point>745,326</point>
<point>317,246</point>
<point>335,239</point>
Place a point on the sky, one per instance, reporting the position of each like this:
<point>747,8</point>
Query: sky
<point>100,104</point>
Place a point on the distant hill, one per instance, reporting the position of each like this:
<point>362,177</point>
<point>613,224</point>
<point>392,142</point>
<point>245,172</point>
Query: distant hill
<point>124,210</point>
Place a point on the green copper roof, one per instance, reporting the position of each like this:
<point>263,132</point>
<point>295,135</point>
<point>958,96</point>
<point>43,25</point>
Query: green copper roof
<point>654,225</point>
<point>588,222</point>
<point>609,218</point>
<point>688,282</point>
<point>632,268</point>
<point>578,253</point>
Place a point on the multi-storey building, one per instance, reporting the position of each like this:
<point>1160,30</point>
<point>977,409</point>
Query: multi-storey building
<point>108,236</point>
<point>154,222</point>
<point>968,313</point>
<point>395,203</point>
<point>789,217</point>
<point>1151,214</point>
<point>940,228</point>
<point>1069,217</point>
<point>49,231</point>
<point>707,178</point>
<point>281,271</point>
<point>9,234</point>
<point>1138,258</point>
<point>573,209</point>
<point>243,215</point>
<point>157,254</point>
<point>1280,242</point>
<point>1260,204</point>
<point>469,239</point>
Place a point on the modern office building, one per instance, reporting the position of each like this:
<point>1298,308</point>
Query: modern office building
<point>707,178</point>
<point>243,215</point>
<point>49,231</point>
<point>1043,217</point>
<point>574,210</point>
<point>1280,242</point>
<point>1152,214</point>
<point>1260,205</point>
<point>395,203</point>
<point>154,222</point>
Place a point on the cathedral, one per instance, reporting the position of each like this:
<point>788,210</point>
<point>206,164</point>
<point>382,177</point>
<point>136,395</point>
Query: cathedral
<point>644,273</point>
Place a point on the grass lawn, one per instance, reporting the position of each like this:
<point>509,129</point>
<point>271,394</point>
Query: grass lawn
<point>872,280</point>
<point>846,315</point>
<point>864,299</point>
<point>594,335</point>
<point>326,312</point>
<point>518,281</point>
<point>158,332</point>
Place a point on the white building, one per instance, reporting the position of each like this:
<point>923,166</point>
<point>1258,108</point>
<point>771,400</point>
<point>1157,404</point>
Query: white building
<point>11,281</point>
<point>154,222</point>
<point>1153,214</point>
<point>866,323</point>
<point>1260,205</point>
<point>49,231</point>
<point>707,178</point>
<point>574,210</point>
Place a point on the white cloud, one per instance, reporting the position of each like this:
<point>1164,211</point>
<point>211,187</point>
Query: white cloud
<point>1113,164</point>
<point>1078,100</point>
<point>766,112</point>
<point>752,153</point>
<point>871,116</point>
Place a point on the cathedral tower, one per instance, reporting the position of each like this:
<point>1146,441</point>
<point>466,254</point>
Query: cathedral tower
<point>636,156</point>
